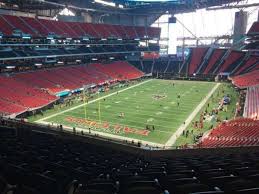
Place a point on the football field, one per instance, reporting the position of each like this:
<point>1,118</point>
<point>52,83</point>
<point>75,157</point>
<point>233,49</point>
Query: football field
<point>151,111</point>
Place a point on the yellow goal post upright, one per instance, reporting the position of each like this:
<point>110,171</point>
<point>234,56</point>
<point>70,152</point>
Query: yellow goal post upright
<point>85,104</point>
<point>85,98</point>
<point>99,108</point>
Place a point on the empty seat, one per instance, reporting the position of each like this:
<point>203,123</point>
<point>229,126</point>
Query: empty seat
<point>192,187</point>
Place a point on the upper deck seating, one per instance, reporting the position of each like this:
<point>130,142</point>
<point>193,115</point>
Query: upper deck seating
<point>18,23</point>
<point>43,27</point>
<point>5,27</point>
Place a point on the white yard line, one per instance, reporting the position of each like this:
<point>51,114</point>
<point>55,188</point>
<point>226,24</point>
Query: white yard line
<point>170,142</point>
<point>180,130</point>
<point>107,135</point>
<point>75,107</point>
<point>103,134</point>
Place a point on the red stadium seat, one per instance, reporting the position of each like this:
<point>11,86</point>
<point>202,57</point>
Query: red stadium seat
<point>31,90</point>
<point>196,59</point>
<point>42,27</point>
<point>238,132</point>
<point>248,79</point>
<point>216,55</point>
<point>233,57</point>
<point>247,64</point>
<point>18,23</point>
<point>251,109</point>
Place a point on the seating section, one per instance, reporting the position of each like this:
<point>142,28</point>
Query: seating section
<point>127,71</point>
<point>80,50</point>
<point>31,90</point>
<point>36,78</point>
<point>231,61</point>
<point>196,59</point>
<point>18,23</point>
<point>20,96</point>
<point>251,109</point>
<point>5,27</point>
<point>219,61</point>
<point>238,132</point>
<point>119,70</point>
<point>249,79</point>
<point>43,27</point>
<point>246,65</point>
<point>9,108</point>
<point>41,163</point>
<point>39,28</point>
<point>216,56</point>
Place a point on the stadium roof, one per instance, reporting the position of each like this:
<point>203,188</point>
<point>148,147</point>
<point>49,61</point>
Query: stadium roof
<point>120,6</point>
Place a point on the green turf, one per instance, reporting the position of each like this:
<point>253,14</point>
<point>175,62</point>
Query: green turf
<point>76,102</point>
<point>228,113</point>
<point>141,109</point>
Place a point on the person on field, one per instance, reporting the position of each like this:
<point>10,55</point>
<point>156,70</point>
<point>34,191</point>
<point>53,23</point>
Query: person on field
<point>121,115</point>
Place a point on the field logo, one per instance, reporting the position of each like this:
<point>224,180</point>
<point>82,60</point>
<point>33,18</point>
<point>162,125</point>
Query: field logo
<point>107,126</point>
<point>159,96</point>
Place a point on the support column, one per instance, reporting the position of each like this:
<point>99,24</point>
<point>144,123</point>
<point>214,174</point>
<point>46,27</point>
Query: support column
<point>240,26</point>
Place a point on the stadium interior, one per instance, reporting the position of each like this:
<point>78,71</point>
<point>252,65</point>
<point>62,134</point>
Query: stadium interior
<point>97,97</point>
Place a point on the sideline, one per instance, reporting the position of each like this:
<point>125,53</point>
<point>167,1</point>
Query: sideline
<point>180,130</point>
<point>92,101</point>
<point>108,135</point>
